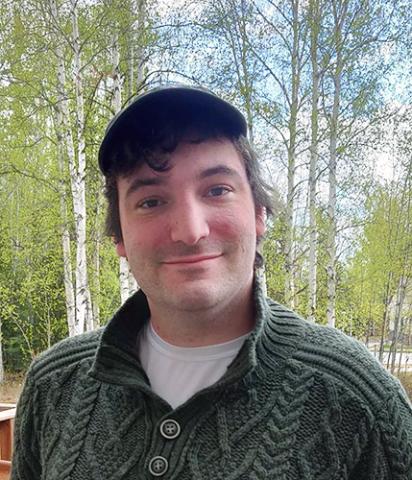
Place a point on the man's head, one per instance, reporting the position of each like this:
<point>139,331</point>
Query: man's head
<point>152,127</point>
<point>186,202</point>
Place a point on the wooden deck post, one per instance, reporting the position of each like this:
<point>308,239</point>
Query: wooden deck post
<point>7,413</point>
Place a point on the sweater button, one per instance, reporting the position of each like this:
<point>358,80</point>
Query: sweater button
<point>170,429</point>
<point>158,466</point>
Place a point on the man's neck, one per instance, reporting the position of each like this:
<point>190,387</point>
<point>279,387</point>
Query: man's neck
<point>201,328</point>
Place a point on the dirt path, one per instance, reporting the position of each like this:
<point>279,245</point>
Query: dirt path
<point>11,388</point>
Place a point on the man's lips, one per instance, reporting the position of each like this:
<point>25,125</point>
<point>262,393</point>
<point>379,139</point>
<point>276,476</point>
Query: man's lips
<point>191,259</point>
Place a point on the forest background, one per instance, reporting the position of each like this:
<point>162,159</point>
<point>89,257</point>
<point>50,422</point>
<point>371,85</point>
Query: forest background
<point>325,86</point>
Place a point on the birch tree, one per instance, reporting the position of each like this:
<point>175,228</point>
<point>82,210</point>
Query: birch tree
<point>64,145</point>
<point>287,24</point>
<point>136,63</point>
<point>350,99</point>
<point>314,19</point>
<point>340,9</point>
<point>75,154</point>
<point>398,321</point>
<point>134,78</point>
<point>140,58</point>
<point>227,26</point>
<point>234,20</point>
<point>405,263</point>
<point>124,270</point>
<point>84,316</point>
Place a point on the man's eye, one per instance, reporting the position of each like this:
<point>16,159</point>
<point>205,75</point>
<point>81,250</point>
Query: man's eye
<point>150,203</point>
<point>218,191</point>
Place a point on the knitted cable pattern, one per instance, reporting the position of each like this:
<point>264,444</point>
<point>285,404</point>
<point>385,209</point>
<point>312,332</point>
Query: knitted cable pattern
<point>25,465</point>
<point>396,439</point>
<point>50,424</point>
<point>274,455</point>
<point>75,429</point>
<point>300,402</point>
<point>324,440</point>
<point>110,461</point>
<point>359,442</point>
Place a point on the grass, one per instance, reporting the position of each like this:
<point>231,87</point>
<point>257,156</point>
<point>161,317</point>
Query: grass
<point>10,389</point>
<point>406,380</point>
<point>406,348</point>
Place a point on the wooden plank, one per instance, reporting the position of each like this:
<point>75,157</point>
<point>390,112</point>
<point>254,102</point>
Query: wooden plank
<point>6,439</point>
<point>5,466</point>
<point>5,469</point>
<point>7,414</point>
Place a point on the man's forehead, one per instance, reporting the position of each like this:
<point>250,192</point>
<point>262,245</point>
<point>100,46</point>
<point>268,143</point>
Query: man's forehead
<point>224,161</point>
<point>160,161</point>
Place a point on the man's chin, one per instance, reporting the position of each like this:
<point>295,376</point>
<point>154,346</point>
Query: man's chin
<point>195,298</point>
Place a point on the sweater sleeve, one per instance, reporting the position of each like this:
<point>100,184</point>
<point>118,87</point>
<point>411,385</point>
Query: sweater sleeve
<point>395,425</point>
<point>388,452</point>
<point>26,454</point>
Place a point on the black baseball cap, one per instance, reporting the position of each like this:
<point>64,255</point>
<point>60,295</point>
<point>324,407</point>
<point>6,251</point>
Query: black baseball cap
<point>173,104</point>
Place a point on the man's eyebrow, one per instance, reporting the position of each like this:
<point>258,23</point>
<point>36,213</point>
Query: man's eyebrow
<point>143,182</point>
<point>218,170</point>
<point>208,172</point>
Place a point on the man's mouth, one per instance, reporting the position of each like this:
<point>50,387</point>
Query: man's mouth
<point>192,259</point>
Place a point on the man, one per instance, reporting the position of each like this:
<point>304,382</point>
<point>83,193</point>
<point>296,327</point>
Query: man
<point>198,376</point>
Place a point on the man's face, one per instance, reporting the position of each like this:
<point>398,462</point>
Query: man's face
<point>190,233</point>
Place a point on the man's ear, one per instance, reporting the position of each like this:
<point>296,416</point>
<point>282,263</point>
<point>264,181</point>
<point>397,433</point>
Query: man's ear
<point>120,250</point>
<point>260,221</point>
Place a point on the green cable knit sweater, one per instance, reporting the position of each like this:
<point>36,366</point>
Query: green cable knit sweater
<point>300,401</point>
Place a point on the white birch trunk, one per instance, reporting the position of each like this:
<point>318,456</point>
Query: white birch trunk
<point>400,298</point>
<point>141,25</point>
<point>289,240</point>
<point>117,104</point>
<point>331,241</point>
<point>130,64</point>
<point>64,144</point>
<point>386,302</point>
<point>117,88</point>
<point>126,280</point>
<point>84,317</point>
<point>96,259</point>
<point>67,259</point>
<point>140,58</point>
<point>312,281</point>
<point>400,358</point>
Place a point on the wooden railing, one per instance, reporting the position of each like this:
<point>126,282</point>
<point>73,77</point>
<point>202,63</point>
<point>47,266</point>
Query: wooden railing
<point>7,413</point>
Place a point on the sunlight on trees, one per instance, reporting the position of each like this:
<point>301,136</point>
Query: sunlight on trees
<point>324,92</point>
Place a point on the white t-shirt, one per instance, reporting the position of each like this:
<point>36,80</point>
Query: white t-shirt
<point>177,373</point>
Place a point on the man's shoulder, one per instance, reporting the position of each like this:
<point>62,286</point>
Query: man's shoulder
<point>66,353</point>
<point>338,358</point>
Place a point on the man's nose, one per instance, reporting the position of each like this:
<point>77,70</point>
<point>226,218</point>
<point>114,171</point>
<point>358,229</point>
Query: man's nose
<point>189,223</point>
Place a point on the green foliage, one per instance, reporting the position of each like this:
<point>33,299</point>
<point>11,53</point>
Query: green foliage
<point>243,51</point>
<point>383,256</point>
<point>273,253</point>
<point>32,298</point>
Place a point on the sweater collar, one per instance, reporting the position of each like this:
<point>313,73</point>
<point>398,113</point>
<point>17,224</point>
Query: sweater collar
<point>116,359</point>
